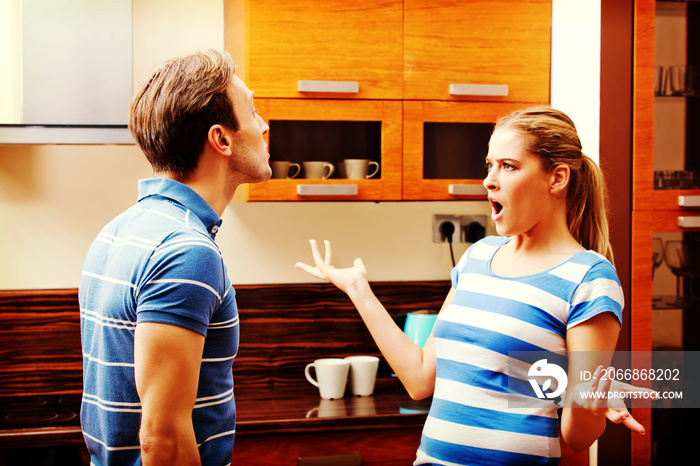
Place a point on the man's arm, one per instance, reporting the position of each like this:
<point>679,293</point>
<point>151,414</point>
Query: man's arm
<point>167,359</point>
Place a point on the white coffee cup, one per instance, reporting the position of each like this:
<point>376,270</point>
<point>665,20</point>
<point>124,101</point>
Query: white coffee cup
<point>318,170</point>
<point>363,374</point>
<point>358,169</point>
<point>281,168</point>
<point>332,375</point>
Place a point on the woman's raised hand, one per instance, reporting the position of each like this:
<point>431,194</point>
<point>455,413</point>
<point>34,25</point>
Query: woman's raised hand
<point>345,279</point>
<point>604,396</point>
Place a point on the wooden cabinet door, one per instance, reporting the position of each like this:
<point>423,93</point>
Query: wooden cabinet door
<point>385,114</point>
<point>483,43</point>
<point>331,40</point>
<point>420,153</point>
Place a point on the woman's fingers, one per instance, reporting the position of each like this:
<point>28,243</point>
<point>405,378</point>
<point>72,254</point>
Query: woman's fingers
<point>329,254</point>
<point>316,253</point>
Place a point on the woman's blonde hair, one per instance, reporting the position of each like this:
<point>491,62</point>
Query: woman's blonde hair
<point>172,112</point>
<point>555,141</point>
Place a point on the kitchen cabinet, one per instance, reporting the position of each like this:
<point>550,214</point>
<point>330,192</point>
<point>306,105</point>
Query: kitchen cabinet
<point>475,50</point>
<point>434,75</point>
<point>331,48</point>
<point>665,217</point>
<point>445,146</point>
<point>332,130</point>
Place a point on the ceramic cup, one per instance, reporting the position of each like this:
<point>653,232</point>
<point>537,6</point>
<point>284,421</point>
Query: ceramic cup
<point>281,169</point>
<point>363,374</point>
<point>318,170</point>
<point>418,326</point>
<point>331,376</point>
<point>358,169</point>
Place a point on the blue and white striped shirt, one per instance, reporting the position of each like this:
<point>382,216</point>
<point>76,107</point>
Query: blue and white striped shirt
<point>472,419</point>
<point>156,262</point>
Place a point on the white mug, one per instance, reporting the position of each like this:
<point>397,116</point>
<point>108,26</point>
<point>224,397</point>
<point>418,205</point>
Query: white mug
<point>358,169</point>
<point>318,170</point>
<point>363,374</point>
<point>280,169</point>
<point>332,375</point>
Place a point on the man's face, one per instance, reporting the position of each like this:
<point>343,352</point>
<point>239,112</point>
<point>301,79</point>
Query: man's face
<point>250,160</point>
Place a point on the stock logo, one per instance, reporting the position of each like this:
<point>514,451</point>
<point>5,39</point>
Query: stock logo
<point>543,370</point>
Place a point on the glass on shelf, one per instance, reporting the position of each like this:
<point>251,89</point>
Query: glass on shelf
<point>678,260</point>
<point>683,80</point>
<point>676,179</point>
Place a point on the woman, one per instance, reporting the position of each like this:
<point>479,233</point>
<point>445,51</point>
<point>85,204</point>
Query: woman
<point>545,286</point>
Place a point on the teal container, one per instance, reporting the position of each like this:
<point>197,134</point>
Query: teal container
<point>418,326</point>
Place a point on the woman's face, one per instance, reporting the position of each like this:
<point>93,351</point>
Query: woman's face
<point>518,188</point>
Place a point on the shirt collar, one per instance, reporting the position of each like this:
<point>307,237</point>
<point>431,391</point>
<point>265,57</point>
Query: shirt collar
<point>184,195</point>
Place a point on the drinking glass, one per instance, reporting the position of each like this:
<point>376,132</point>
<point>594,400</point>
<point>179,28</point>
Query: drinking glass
<point>676,257</point>
<point>657,255</point>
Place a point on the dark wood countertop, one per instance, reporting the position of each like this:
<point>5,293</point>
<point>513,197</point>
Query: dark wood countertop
<point>299,409</point>
<point>55,420</point>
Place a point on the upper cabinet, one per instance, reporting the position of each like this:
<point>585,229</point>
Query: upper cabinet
<point>321,49</point>
<point>477,50</point>
<point>395,49</point>
<point>413,86</point>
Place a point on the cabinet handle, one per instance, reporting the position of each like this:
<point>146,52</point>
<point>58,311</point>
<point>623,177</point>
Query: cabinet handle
<point>496,90</point>
<point>689,201</point>
<point>466,189</point>
<point>689,222</point>
<point>327,189</point>
<point>350,87</point>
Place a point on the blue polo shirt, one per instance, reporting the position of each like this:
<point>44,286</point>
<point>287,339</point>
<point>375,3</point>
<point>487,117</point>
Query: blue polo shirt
<point>156,262</point>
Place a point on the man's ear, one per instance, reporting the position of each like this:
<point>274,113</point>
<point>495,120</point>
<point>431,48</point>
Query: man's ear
<point>218,138</point>
<point>560,178</point>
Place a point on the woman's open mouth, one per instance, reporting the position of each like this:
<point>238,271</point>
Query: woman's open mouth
<point>496,209</point>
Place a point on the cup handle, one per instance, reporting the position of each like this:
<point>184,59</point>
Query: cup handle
<point>296,173</point>
<point>376,169</point>
<point>331,169</point>
<point>308,374</point>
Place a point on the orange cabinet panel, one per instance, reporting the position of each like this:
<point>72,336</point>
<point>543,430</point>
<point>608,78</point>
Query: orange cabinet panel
<point>418,116</point>
<point>331,40</point>
<point>385,114</point>
<point>501,43</point>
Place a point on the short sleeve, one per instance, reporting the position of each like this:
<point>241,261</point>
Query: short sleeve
<point>184,286</point>
<point>600,291</point>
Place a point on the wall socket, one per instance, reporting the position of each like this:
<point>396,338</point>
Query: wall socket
<point>467,228</point>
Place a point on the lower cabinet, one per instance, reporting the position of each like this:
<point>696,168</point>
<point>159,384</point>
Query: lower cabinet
<point>342,448</point>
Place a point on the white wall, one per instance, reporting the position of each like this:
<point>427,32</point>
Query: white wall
<point>576,67</point>
<point>54,199</point>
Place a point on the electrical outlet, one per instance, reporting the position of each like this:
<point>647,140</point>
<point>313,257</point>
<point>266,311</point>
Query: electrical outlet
<point>438,220</point>
<point>472,228</point>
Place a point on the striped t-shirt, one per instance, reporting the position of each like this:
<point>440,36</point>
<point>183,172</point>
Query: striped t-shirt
<point>475,418</point>
<point>156,262</point>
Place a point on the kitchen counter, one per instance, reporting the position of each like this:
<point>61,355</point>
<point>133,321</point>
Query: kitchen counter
<point>300,409</point>
<point>54,419</point>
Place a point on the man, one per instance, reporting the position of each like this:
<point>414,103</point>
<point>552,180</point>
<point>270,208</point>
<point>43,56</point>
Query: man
<point>159,321</point>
